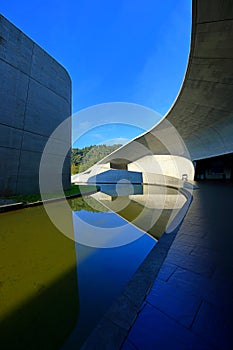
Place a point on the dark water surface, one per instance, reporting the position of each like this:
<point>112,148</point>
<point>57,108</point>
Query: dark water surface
<point>53,291</point>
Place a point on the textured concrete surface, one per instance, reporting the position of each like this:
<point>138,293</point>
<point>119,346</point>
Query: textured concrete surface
<point>35,98</point>
<point>202,114</point>
<point>165,165</point>
<point>190,304</point>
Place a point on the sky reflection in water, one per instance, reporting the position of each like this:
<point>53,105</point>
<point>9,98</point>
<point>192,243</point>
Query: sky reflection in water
<point>103,271</point>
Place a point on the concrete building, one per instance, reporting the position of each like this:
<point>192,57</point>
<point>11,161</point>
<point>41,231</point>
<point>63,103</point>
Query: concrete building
<point>187,300</point>
<point>35,97</point>
<point>199,125</point>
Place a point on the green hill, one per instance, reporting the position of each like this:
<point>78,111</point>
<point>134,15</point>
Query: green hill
<point>84,158</point>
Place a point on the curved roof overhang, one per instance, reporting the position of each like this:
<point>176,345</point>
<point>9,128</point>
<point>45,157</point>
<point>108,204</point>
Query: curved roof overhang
<point>202,114</point>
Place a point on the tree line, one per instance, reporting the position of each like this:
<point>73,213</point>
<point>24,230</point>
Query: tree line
<point>84,158</point>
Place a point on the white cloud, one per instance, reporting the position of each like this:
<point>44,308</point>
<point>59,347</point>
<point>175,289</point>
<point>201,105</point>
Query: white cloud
<point>117,140</point>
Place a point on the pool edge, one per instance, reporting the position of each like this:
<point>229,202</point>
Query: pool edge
<point>113,328</point>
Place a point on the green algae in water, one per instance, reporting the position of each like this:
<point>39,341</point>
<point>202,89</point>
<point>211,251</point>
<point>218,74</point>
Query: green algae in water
<point>38,282</point>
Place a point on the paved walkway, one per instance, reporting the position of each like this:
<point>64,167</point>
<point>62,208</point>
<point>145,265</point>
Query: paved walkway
<point>190,305</point>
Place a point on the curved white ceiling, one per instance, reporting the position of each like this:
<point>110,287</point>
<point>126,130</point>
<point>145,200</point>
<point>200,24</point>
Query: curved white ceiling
<point>203,111</point>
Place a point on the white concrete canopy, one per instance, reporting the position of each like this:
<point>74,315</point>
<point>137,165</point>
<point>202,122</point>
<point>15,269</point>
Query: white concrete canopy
<point>200,122</point>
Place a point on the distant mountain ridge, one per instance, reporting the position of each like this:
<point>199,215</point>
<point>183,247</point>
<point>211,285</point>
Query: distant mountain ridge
<point>84,158</point>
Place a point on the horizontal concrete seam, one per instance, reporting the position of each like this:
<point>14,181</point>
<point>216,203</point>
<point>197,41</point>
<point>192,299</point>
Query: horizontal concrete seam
<point>216,21</point>
<point>209,81</point>
<point>208,106</point>
<point>212,58</point>
<point>8,147</point>
<point>32,132</point>
<point>28,38</point>
<point>37,81</point>
<point>38,152</point>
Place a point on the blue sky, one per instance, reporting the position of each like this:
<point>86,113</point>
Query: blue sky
<point>114,50</point>
<point>109,134</point>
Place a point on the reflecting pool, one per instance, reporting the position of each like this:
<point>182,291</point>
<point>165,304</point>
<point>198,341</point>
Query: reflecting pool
<point>54,289</point>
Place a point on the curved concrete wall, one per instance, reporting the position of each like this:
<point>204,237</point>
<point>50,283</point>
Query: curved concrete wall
<point>200,123</point>
<point>203,112</point>
<point>35,98</point>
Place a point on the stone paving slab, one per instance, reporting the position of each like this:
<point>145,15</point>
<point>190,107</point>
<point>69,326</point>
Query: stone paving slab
<point>215,323</point>
<point>181,296</point>
<point>174,302</point>
<point>166,271</point>
<point>112,330</point>
<point>192,263</point>
<point>154,330</point>
<point>209,289</point>
<point>190,304</point>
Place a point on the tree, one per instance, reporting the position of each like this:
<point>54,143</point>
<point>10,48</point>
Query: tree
<point>84,158</point>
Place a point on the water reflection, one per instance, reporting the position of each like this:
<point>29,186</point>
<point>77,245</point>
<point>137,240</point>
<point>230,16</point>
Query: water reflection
<point>111,252</point>
<point>109,248</point>
<point>58,288</point>
<point>150,208</point>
